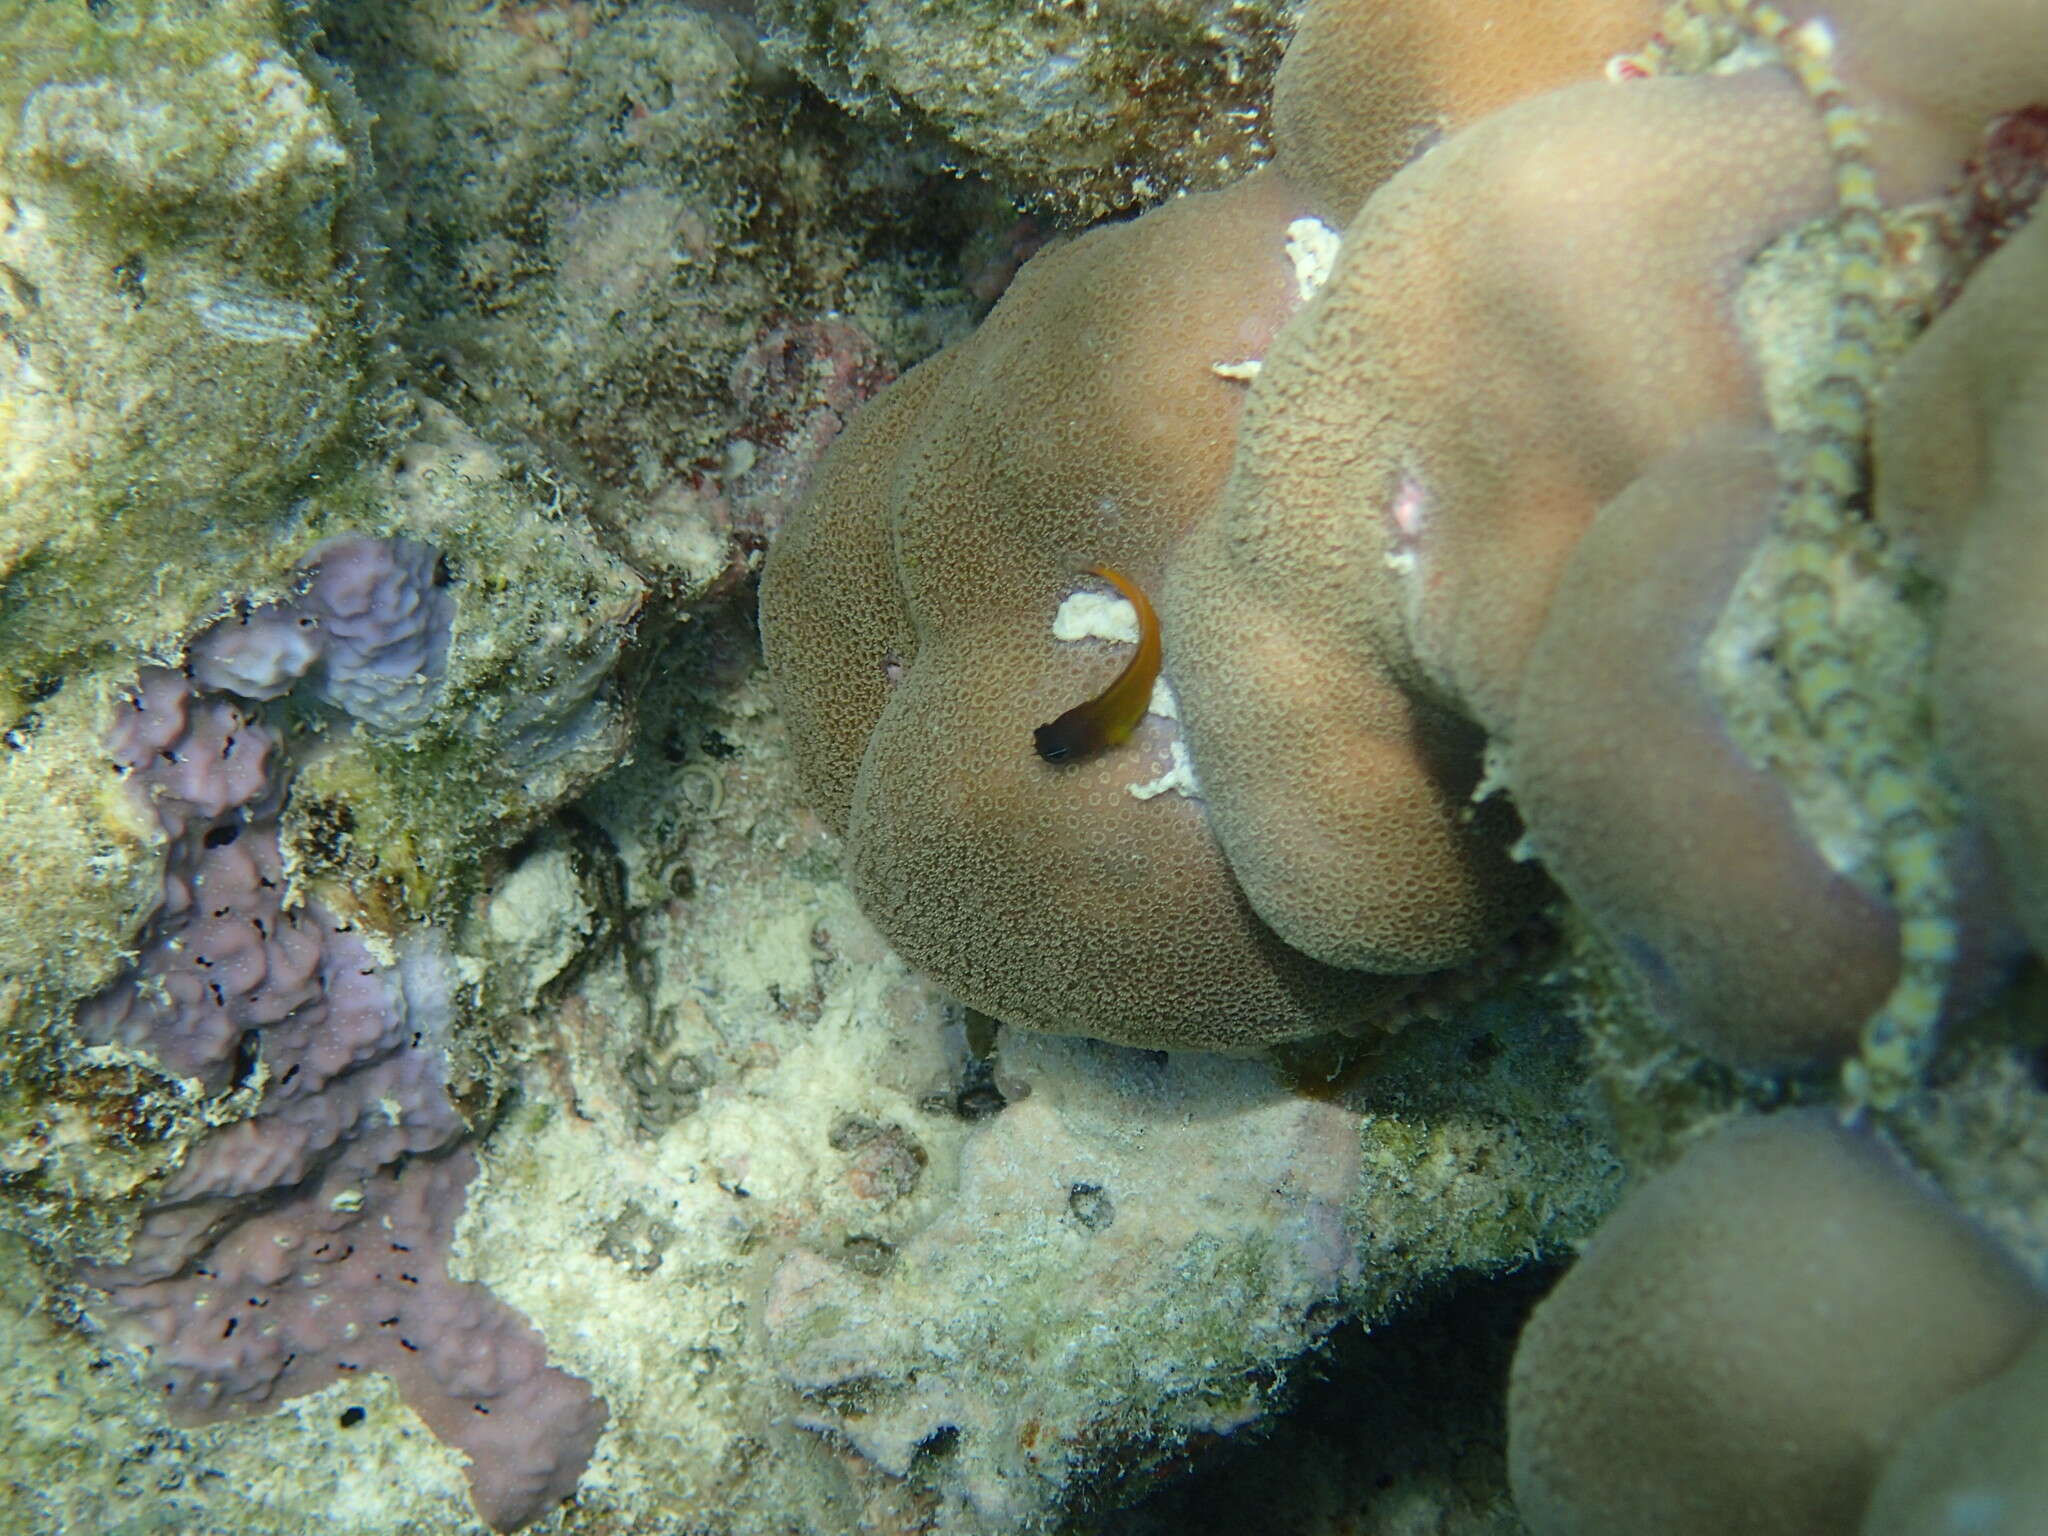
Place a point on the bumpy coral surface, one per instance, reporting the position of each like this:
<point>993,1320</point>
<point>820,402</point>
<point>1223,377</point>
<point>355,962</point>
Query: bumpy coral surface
<point>1368,87</point>
<point>910,618</point>
<point>1539,320</point>
<point>372,627</point>
<point>1962,452</point>
<point>1749,1335</point>
<point>1564,457</point>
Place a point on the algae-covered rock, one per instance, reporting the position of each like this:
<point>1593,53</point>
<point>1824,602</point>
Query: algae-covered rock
<point>594,211</point>
<point>182,290</point>
<point>525,714</point>
<point>183,300</point>
<point>198,421</point>
<point>1088,109</point>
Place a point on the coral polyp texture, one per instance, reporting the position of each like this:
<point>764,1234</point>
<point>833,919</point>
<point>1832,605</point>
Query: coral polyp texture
<point>1962,450</point>
<point>1569,323</point>
<point>371,628</point>
<point>1749,1336</point>
<point>910,617</point>
<point>1548,549</point>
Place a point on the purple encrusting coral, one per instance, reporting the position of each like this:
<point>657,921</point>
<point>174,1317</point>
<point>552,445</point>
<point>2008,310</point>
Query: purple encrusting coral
<point>308,1241</point>
<point>370,633</point>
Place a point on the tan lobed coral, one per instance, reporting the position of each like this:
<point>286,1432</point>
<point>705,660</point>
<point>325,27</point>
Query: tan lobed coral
<point>1400,508</point>
<point>1929,77</point>
<point>1542,311</point>
<point>909,619</point>
<point>1366,87</point>
<point>1532,467</point>
<point>1748,1334</point>
<point>1962,468</point>
<point>1718,865</point>
<point>1974,1465</point>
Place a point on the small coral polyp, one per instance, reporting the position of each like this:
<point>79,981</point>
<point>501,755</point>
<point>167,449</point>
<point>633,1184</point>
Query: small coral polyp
<point>1496,478</point>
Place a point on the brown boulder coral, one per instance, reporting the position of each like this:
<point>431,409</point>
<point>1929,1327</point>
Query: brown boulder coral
<point>1927,77</point>
<point>1962,471</point>
<point>1368,86</point>
<point>1401,505</point>
<point>1717,864</point>
<point>1534,330</point>
<point>1748,1335</point>
<point>909,618</point>
<point>1535,317</point>
<point>1975,1464</point>
<point>958,841</point>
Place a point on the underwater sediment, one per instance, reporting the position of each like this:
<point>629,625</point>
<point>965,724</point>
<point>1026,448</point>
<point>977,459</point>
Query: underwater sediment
<point>1529,528</point>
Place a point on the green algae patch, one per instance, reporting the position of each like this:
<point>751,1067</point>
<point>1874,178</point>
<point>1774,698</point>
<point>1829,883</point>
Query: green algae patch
<point>182,285</point>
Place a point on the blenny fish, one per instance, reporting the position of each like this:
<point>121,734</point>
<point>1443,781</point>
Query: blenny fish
<point>1108,719</point>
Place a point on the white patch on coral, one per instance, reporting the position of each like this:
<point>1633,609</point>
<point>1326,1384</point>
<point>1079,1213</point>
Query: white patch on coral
<point>1493,774</point>
<point>1095,616</point>
<point>1312,247</point>
<point>1163,704</point>
<point>1242,372</point>
<point>1178,779</point>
